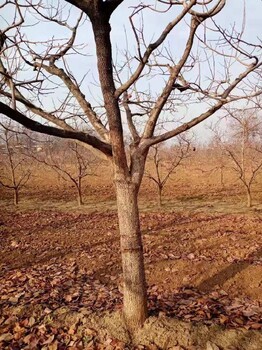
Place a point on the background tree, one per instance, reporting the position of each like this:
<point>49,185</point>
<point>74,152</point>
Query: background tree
<point>217,159</point>
<point>149,83</point>
<point>70,160</point>
<point>165,161</point>
<point>15,168</point>
<point>241,143</point>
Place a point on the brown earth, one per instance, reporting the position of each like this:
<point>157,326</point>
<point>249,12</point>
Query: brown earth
<point>60,271</point>
<point>203,250</point>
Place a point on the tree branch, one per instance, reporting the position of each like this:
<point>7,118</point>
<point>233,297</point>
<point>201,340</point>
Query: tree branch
<point>151,123</point>
<point>147,142</point>
<point>49,130</point>
<point>152,47</point>
<point>76,92</point>
<point>16,94</point>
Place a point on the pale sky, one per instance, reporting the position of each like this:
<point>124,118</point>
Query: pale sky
<point>231,15</point>
<point>236,13</point>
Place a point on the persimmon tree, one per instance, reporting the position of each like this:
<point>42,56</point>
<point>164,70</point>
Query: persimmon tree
<point>145,83</point>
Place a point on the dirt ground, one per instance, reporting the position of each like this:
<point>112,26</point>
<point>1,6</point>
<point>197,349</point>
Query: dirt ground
<point>203,250</point>
<point>60,271</point>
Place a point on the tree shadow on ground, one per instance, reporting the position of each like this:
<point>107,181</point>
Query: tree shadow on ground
<point>26,260</point>
<point>229,272</point>
<point>179,221</point>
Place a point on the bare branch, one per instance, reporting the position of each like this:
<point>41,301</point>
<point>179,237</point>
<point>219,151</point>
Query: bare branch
<point>49,130</point>
<point>75,90</point>
<point>223,101</point>
<point>153,47</point>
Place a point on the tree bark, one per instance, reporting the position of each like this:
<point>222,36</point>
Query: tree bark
<point>16,196</point>
<point>79,193</point>
<point>135,300</point>
<point>249,198</point>
<point>79,197</point>
<point>160,196</point>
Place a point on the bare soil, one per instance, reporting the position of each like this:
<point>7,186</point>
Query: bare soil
<point>60,271</point>
<point>203,266</point>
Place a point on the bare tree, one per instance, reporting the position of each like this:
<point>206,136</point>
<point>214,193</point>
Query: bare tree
<point>165,162</point>
<point>241,143</point>
<point>216,156</point>
<point>220,160</point>
<point>16,171</point>
<point>149,83</point>
<point>70,160</point>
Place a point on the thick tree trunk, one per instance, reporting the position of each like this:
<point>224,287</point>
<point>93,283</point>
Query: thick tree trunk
<point>135,300</point>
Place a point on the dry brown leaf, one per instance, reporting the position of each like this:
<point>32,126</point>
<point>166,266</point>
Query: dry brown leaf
<point>6,337</point>
<point>49,340</point>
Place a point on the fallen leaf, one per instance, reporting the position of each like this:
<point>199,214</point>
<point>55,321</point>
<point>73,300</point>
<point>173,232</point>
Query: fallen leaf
<point>6,337</point>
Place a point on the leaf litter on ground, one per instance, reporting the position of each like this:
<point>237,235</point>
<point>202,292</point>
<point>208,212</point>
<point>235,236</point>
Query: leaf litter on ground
<point>34,299</point>
<point>45,303</point>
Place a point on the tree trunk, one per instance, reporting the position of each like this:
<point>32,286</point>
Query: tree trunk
<point>249,198</point>
<point>79,198</point>
<point>134,289</point>
<point>16,196</point>
<point>160,196</point>
<point>79,194</point>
